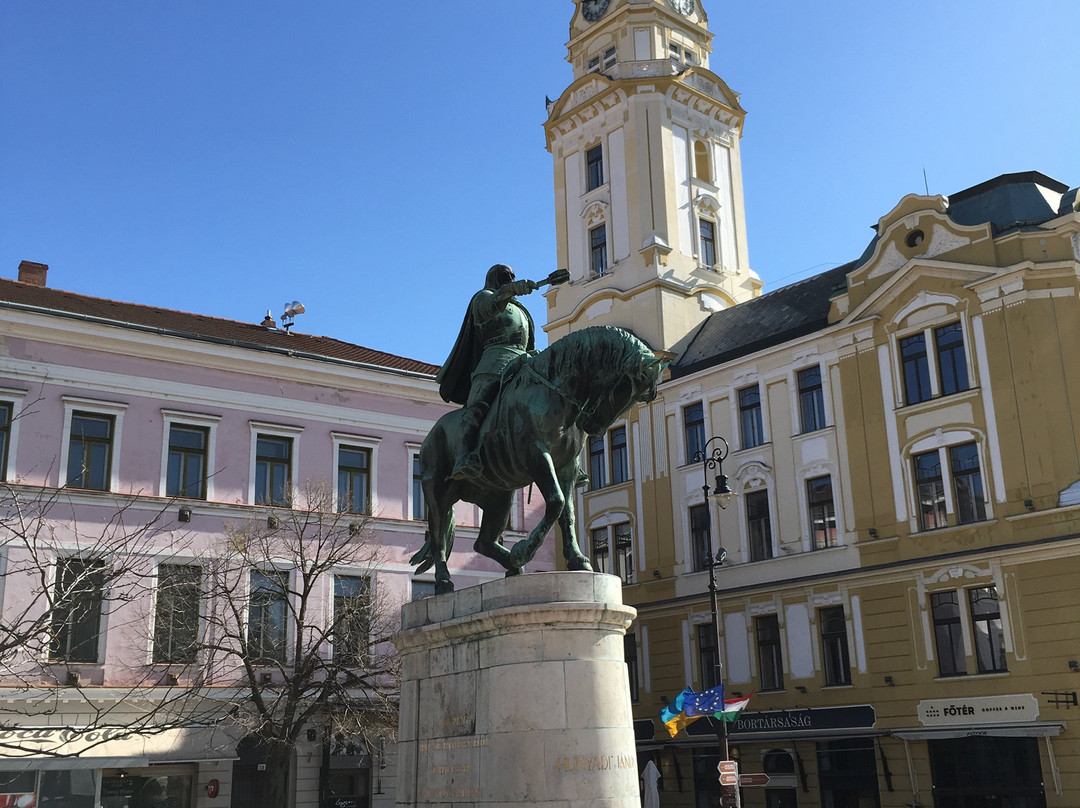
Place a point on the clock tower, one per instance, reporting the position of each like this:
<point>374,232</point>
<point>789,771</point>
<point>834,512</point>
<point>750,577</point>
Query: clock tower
<point>648,184</point>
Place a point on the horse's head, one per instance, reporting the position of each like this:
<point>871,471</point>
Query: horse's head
<point>638,385</point>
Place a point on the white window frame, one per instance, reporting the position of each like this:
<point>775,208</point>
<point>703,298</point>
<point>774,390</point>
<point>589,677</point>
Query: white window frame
<point>112,409</point>
<point>340,439</point>
<point>801,478</point>
<point>15,398</point>
<point>942,443</point>
<point>926,326</point>
<point>412,453</point>
<point>608,522</point>
<point>288,662</point>
<point>350,572</point>
<point>172,418</point>
<point>805,363</point>
<point>277,431</point>
<point>152,621</point>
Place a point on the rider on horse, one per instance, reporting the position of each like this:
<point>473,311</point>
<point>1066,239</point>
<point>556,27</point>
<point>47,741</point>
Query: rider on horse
<point>497,329</point>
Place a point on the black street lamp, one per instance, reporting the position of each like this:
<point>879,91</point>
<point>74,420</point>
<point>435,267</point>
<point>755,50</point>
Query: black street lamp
<point>713,460</point>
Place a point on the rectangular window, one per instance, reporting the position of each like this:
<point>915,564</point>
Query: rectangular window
<point>930,490</point>
<point>419,507</point>
<point>592,65</point>
<point>622,562</point>
<point>421,590</point>
<point>273,470</point>
<point>708,658</point>
<point>694,431</point>
<point>700,543</point>
<point>819,499</point>
<point>707,234</point>
<point>624,553</point>
<point>176,613</point>
<point>352,618</point>
<point>186,472</point>
<point>967,483</point>
<point>598,250</point>
<point>597,466</point>
<point>5,437</point>
<point>594,167</point>
<point>952,366</point>
<point>630,655</point>
<point>834,646</point>
<point>811,399</point>
<point>90,451</point>
<point>948,633</point>
<point>751,432</point>
<point>770,660</point>
<point>601,552</point>
<point>986,624</point>
<point>609,58</point>
<point>267,615</point>
<point>916,369</point>
<point>620,457</point>
<point>354,479</point>
<point>758,525</point>
<point>76,620</point>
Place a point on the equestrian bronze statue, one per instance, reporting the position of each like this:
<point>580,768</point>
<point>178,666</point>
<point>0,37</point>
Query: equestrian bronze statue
<point>532,429</point>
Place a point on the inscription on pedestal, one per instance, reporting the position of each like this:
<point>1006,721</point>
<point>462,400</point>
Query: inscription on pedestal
<point>595,763</point>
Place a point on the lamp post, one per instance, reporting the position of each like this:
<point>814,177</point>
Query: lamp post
<point>712,459</point>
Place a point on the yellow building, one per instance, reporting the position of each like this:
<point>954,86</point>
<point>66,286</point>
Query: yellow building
<point>901,439</point>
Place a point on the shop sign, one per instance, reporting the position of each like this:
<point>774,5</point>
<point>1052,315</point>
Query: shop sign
<point>978,710</point>
<point>806,719</point>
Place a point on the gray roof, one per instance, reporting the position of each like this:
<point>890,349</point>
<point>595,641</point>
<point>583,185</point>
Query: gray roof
<point>1008,202</point>
<point>785,314</point>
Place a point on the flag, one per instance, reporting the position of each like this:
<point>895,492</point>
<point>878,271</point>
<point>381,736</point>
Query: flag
<point>673,716</point>
<point>733,709</point>
<point>706,702</point>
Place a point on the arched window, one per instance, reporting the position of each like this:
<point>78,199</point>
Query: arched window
<point>702,166</point>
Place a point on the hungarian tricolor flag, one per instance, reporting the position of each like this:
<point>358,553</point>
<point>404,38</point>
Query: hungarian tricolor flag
<point>733,708</point>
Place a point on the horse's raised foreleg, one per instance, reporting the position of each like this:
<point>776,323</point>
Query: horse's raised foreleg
<point>547,481</point>
<point>575,559</point>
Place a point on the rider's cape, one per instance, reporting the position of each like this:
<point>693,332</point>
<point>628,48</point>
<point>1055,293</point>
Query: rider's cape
<point>455,376</point>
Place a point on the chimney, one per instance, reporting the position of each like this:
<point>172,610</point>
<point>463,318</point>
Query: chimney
<point>33,273</point>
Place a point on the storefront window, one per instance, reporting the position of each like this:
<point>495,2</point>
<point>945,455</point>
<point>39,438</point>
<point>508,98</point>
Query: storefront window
<point>68,788</point>
<point>986,771</point>
<point>144,789</point>
<point>847,771</point>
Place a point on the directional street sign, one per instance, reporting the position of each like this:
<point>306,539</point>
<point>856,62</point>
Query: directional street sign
<point>753,780</point>
<point>729,779</point>
<point>727,767</point>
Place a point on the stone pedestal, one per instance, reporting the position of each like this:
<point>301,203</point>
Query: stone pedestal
<point>516,693</point>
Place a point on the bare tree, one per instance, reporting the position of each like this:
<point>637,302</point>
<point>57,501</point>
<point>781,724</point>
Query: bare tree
<point>294,618</point>
<point>273,626</point>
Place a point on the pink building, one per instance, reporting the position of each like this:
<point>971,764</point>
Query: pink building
<point>133,431</point>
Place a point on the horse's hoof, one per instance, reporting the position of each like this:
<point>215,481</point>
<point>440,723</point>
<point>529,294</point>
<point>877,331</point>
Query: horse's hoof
<point>513,571</point>
<point>444,587</point>
<point>579,565</point>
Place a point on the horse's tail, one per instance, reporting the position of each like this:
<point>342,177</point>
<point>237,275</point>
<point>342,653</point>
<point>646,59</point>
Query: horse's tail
<point>425,556</point>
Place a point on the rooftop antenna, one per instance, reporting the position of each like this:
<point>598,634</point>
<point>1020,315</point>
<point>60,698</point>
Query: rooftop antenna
<point>924,182</point>
<point>291,310</point>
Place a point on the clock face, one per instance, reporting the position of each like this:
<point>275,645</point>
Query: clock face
<point>684,7</point>
<point>594,9</point>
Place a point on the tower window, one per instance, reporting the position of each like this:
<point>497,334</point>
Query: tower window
<point>707,234</point>
<point>598,251</point>
<point>593,65</point>
<point>609,58</point>
<point>594,168</point>
<point>702,170</point>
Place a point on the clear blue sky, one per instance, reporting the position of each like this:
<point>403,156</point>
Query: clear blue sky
<point>372,159</point>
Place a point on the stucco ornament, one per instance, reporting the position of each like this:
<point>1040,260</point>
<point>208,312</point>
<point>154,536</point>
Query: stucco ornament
<point>533,431</point>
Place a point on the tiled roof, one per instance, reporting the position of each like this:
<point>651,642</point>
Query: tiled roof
<point>200,327</point>
<point>785,314</point>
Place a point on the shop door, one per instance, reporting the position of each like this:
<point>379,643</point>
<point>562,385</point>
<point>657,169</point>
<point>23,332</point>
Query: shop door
<point>986,772</point>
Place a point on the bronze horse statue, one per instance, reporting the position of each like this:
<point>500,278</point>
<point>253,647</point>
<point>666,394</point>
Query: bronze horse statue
<point>534,434</point>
